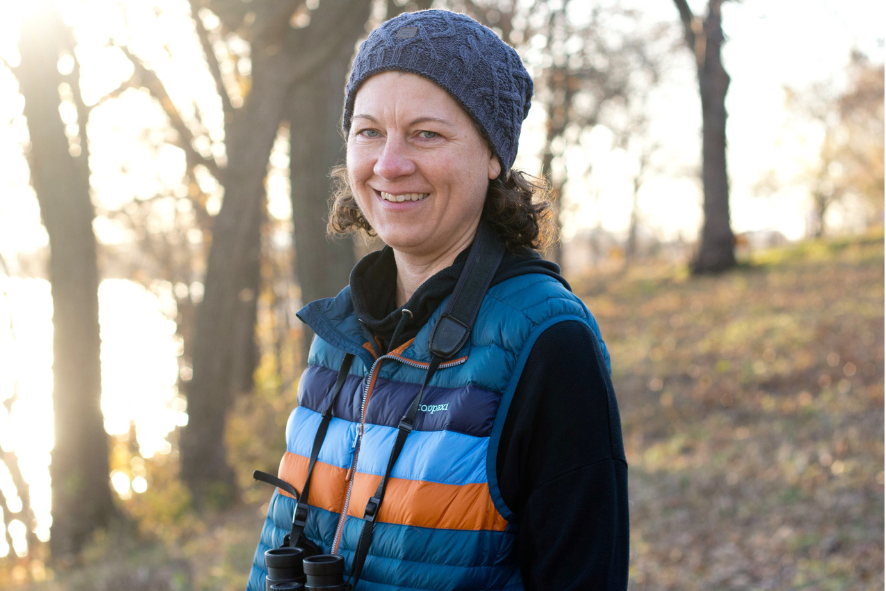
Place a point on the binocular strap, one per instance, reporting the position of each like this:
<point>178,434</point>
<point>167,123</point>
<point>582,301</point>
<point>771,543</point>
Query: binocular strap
<point>449,335</point>
<point>300,515</point>
<point>372,507</point>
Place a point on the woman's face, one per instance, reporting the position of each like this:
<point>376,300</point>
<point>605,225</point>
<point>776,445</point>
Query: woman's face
<point>417,166</point>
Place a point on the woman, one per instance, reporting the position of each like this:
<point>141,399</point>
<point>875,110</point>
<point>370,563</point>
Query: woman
<point>457,405</point>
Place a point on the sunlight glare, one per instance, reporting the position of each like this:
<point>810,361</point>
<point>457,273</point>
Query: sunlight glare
<point>139,373</point>
<point>19,533</point>
<point>140,366</point>
<point>120,482</point>
<point>139,484</point>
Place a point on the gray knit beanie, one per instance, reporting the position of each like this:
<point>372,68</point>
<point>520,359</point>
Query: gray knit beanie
<point>483,73</point>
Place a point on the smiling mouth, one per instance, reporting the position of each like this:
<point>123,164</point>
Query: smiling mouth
<point>403,197</point>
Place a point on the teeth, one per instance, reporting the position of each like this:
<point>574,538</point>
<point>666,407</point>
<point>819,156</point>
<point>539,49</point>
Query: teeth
<point>403,197</point>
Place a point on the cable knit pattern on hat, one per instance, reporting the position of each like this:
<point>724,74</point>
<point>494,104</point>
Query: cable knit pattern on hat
<point>483,73</point>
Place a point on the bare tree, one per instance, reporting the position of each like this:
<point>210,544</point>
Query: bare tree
<point>849,161</point>
<point>281,56</point>
<point>314,108</point>
<point>81,495</point>
<point>716,251</point>
<point>646,152</point>
<point>589,63</point>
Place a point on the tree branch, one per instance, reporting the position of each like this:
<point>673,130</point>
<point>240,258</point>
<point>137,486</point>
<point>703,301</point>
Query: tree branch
<point>82,109</point>
<point>211,60</point>
<point>131,83</point>
<point>686,17</point>
<point>330,25</point>
<point>158,90</point>
<point>7,64</point>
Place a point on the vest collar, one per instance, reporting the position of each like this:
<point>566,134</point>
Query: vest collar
<point>332,320</point>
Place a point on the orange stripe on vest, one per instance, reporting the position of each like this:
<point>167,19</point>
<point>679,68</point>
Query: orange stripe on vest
<point>407,502</point>
<point>429,504</point>
<point>327,486</point>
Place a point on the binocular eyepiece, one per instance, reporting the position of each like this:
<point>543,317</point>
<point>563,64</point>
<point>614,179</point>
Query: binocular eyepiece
<point>290,569</point>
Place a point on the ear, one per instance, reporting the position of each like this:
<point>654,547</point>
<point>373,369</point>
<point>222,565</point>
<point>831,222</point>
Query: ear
<point>494,168</point>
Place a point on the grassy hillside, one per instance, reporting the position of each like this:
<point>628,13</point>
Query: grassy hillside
<point>752,407</point>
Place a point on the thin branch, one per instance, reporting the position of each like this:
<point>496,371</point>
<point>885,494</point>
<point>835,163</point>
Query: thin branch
<point>158,90</point>
<point>82,109</point>
<point>131,83</point>
<point>212,61</point>
<point>8,65</point>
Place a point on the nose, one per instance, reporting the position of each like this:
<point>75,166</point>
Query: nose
<point>394,160</point>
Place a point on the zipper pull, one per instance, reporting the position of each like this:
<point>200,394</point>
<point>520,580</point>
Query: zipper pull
<point>358,432</point>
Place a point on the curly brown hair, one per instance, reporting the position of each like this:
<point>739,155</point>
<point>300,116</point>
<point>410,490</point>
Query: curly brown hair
<point>517,207</point>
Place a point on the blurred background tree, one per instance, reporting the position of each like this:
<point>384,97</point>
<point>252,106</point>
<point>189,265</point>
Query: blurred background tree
<point>58,159</point>
<point>704,37</point>
<point>275,47</point>
<point>849,123</point>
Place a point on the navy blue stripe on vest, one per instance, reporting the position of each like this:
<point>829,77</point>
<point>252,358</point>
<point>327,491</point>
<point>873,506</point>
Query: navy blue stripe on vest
<point>467,409</point>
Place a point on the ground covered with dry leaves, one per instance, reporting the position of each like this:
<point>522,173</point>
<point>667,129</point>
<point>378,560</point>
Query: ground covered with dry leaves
<point>752,408</point>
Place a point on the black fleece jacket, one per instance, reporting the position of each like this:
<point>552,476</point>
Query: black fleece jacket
<point>561,463</point>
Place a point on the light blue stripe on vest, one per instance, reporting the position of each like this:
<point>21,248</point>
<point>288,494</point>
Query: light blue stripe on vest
<point>421,455</point>
<point>336,448</point>
<point>419,460</point>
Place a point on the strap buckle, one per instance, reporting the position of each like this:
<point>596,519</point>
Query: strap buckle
<point>372,509</point>
<point>300,515</point>
<point>405,425</point>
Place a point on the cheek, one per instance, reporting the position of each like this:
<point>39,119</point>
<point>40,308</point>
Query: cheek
<point>359,171</point>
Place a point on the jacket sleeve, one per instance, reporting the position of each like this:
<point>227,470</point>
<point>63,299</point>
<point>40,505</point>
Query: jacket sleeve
<point>562,469</point>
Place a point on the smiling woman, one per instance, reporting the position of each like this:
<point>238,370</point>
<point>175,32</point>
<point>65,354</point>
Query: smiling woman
<point>419,171</point>
<point>476,441</point>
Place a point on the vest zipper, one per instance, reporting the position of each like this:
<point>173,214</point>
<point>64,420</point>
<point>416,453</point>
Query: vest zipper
<point>370,382</point>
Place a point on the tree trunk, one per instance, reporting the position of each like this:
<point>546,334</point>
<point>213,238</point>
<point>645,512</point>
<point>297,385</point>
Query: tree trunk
<point>821,209</point>
<point>81,495</point>
<point>631,244</point>
<point>230,295</point>
<point>716,252</point>
<point>225,318</point>
<point>556,125</point>
<point>322,265</point>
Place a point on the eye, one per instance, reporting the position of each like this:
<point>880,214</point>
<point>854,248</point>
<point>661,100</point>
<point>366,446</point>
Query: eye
<point>428,135</point>
<point>368,133</point>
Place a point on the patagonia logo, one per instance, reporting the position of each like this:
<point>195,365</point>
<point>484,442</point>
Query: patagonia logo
<point>432,408</point>
<point>406,32</point>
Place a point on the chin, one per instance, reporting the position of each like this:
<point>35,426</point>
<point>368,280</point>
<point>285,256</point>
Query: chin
<point>405,242</point>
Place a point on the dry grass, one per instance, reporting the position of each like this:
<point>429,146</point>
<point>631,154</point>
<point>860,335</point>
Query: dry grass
<point>752,407</point>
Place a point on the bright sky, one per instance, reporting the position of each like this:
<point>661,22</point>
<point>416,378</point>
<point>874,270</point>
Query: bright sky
<point>771,44</point>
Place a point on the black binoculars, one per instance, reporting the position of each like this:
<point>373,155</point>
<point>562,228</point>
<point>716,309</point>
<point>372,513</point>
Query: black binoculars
<point>292,569</point>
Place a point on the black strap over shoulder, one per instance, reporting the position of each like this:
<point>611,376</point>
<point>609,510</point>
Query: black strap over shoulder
<point>300,515</point>
<point>448,337</point>
<point>454,326</point>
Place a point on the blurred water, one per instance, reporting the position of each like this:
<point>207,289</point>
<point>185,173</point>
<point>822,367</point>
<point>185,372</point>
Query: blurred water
<point>139,373</point>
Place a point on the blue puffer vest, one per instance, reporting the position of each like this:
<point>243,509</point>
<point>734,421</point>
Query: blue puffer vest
<point>443,523</point>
